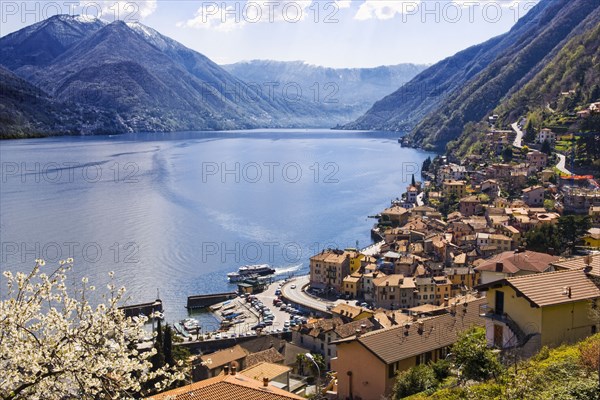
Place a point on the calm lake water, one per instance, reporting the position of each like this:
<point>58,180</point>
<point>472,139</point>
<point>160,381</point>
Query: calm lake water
<point>176,212</point>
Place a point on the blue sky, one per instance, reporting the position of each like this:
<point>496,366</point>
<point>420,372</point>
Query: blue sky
<point>336,33</point>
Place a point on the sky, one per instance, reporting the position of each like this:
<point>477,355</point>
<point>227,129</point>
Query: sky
<point>333,33</point>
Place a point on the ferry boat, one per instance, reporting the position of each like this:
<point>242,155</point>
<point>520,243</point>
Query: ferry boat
<point>250,271</point>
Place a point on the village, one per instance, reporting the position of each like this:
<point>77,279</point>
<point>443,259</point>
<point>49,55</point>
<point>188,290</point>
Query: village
<point>506,244</point>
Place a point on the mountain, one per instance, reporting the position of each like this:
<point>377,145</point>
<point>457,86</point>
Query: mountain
<point>147,81</point>
<point>463,88</point>
<point>26,110</point>
<point>351,91</point>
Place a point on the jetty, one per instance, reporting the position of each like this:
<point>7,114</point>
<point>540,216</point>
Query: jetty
<point>146,309</point>
<point>207,300</point>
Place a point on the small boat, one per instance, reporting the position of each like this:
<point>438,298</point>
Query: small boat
<point>216,307</point>
<point>228,307</point>
<point>181,330</point>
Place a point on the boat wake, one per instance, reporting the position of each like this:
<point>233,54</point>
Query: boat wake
<point>288,270</point>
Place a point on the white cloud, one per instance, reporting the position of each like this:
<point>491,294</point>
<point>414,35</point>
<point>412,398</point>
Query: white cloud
<point>241,13</point>
<point>385,9</point>
<point>341,4</point>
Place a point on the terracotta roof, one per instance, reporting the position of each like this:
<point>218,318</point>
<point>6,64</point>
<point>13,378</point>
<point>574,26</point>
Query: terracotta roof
<point>226,387</point>
<point>399,342</point>
<point>270,355</point>
<point>347,310</point>
<point>343,331</point>
<point>579,263</point>
<point>552,288</point>
<point>390,280</point>
<point>223,357</point>
<point>514,262</point>
<point>265,370</point>
<point>395,210</point>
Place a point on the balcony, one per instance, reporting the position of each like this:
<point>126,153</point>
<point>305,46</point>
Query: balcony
<point>485,311</point>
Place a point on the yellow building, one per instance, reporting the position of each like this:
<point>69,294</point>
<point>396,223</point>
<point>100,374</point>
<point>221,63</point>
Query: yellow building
<point>545,309</point>
<point>355,260</point>
<point>592,239</point>
<point>458,188</point>
<point>366,364</point>
<point>351,285</point>
<point>463,276</point>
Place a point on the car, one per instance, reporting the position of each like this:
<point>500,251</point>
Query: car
<point>358,303</point>
<point>277,292</point>
<point>364,305</point>
<point>293,287</point>
<point>283,306</point>
<point>286,324</point>
<point>268,322</point>
<point>258,326</point>
<point>217,336</point>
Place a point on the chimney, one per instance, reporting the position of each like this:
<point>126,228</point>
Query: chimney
<point>363,328</point>
<point>265,382</point>
<point>233,370</point>
<point>358,333</point>
<point>226,370</point>
<point>445,302</point>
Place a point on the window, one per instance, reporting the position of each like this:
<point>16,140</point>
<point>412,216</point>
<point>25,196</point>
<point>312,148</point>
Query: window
<point>322,346</point>
<point>431,296</point>
<point>329,352</point>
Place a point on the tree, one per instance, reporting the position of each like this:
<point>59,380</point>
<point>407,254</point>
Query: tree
<point>472,356</point>
<point>544,238</point>
<point>414,380</point>
<point>572,228</point>
<point>168,345</point>
<point>426,165</point>
<point>507,154</point>
<point>55,346</point>
<point>529,136</point>
<point>546,148</point>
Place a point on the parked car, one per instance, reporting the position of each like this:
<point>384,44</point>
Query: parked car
<point>278,292</point>
<point>283,306</point>
<point>268,322</point>
<point>293,287</point>
<point>258,326</point>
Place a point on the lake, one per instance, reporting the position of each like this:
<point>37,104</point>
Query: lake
<point>174,213</point>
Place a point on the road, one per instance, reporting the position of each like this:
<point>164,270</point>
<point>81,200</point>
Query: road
<point>561,166</point>
<point>298,296</point>
<point>519,139</point>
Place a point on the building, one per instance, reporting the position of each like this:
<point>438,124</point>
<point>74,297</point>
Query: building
<point>491,188</point>
<point>276,374</point>
<point>355,260</point>
<point>594,214</point>
<point>463,276</point>
<point>395,292</point>
<point>500,242</point>
<point>394,216</point>
<point>351,285</point>
<point>469,206</point>
<point>579,200</point>
<point>412,193</point>
<point>328,270</point>
<point>452,187</point>
<point>534,196</point>
<point>213,364</point>
<point>592,238</point>
<point>229,385</point>
<point>366,364</point>
<point>538,159</point>
<point>509,264</point>
<point>319,336</point>
<point>349,313</point>
<point>426,290</point>
<point>546,309</point>
<point>546,135</point>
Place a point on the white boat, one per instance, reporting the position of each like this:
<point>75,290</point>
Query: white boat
<point>250,271</point>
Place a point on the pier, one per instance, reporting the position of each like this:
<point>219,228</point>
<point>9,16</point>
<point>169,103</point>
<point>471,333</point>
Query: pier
<point>145,308</point>
<point>207,300</point>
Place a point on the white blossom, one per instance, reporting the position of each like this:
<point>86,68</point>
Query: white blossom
<point>54,346</point>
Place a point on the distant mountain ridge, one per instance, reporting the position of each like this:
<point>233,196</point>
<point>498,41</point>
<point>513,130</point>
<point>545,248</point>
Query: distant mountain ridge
<point>437,104</point>
<point>351,90</point>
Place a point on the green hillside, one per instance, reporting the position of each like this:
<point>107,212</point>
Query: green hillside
<point>567,372</point>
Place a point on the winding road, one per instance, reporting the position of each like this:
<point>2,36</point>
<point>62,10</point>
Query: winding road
<point>561,164</point>
<point>298,296</point>
<point>519,139</point>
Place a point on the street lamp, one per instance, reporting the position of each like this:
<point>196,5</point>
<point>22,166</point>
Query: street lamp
<point>312,358</point>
